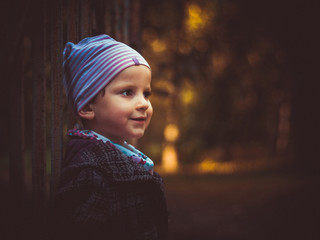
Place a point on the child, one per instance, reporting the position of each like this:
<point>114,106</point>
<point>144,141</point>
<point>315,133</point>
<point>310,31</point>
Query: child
<point>108,189</point>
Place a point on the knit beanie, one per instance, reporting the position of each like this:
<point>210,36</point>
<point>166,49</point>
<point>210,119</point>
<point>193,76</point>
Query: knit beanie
<point>91,64</point>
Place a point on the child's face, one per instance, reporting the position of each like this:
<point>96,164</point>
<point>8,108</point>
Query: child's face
<point>124,112</point>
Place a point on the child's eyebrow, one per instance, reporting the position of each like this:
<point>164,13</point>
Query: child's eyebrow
<point>130,85</point>
<point>126,85</point>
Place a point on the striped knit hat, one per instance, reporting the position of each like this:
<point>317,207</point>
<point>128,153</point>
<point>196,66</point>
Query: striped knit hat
<point>91,64</point>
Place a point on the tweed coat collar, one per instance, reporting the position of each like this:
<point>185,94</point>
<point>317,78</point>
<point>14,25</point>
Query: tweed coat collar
<point>105,157</point>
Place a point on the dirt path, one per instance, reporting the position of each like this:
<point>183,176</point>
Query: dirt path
<point>249,206</point>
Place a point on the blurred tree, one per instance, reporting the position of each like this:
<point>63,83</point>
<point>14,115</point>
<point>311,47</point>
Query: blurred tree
<point>234,72</point>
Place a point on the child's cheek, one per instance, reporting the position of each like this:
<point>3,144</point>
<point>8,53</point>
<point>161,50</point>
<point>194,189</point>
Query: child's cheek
<point>150,112</point>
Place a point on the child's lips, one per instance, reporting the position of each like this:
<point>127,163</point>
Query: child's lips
<point>139,119</point>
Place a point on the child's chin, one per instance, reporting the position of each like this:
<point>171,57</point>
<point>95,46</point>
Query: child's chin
<point>137,136</point>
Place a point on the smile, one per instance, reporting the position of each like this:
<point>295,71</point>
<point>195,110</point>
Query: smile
<point>139,119</point>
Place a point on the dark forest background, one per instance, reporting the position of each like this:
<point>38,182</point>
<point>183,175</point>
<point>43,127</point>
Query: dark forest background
<point>251,70</point>
<point>235,131</point>
<point>241,82</point>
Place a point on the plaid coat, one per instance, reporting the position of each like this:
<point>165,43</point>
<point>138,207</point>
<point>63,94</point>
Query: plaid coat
<point>105,195</point>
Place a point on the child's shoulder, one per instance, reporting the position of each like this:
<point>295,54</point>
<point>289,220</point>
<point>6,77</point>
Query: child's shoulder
<point>83,147</point>
<point>82,144</point>
<point>88,152</point>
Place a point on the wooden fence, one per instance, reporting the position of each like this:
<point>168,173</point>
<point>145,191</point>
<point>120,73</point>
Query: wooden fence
<point>34,35</point>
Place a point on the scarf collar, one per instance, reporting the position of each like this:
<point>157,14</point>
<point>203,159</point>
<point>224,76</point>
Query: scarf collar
<point>127,149</point>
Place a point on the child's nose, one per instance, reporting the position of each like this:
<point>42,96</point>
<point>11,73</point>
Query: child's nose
<point>143,103</point>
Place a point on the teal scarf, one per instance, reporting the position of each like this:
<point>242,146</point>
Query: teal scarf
<point>126,149</point>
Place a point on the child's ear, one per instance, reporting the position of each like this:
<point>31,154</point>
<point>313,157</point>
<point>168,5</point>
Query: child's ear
<point>86,112</point>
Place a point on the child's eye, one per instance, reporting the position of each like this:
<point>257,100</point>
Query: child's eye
<point>147,94</point>
<point>127,92</point>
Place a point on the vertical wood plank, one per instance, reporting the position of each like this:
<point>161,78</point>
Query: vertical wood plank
<point>109,18</point>
<point>135,31</point>
<point>39,111</point>
<point>85,19</point>
<point>126,21</point>
<point>56,94</point>
<point>118,6</point>
<point>72,16</point>
<point>73,29</point>
<point>17,133</point>
<point>103,17</point>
